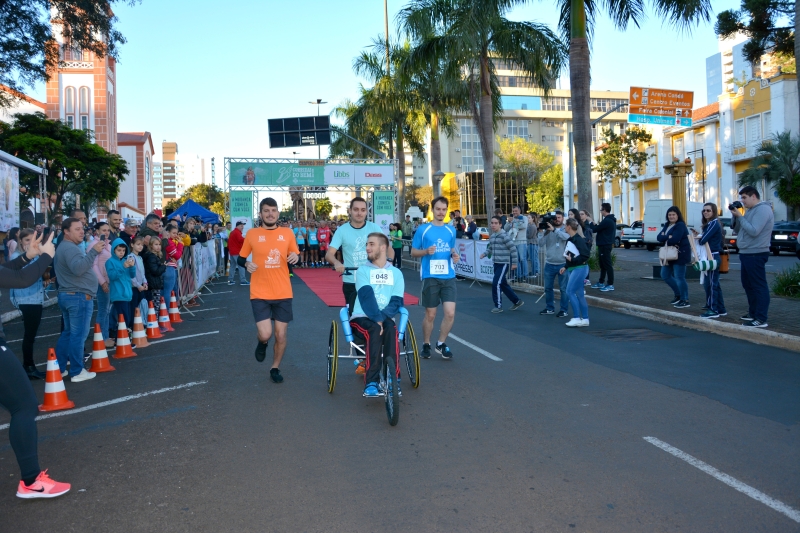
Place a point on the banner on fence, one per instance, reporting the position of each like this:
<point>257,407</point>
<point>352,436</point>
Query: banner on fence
<point>205,263</point>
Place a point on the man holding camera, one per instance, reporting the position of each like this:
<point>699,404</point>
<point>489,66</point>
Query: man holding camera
<point>754,230</point>
<point>517,229</point>
<point>554,239</point>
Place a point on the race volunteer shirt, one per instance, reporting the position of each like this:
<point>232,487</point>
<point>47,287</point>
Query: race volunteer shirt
<point>353,244</point>
<point>312,237</point>
<point>385,282</point>
<point>440,264</point>
<point>270,248</point>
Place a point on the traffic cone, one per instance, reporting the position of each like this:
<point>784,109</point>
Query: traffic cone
<point>124,349</point>
<point>163,316</point>
<point>99,356</point>
<point>152,323</point>
<point>139,337</point>
<point>174,311</point>
<point>55,395</point>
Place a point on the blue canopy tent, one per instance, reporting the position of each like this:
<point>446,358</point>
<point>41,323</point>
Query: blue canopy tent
<point>193,209</point>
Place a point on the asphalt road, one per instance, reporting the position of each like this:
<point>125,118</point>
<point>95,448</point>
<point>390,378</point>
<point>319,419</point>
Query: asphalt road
<point>776,263</point>
<point>550,438</point>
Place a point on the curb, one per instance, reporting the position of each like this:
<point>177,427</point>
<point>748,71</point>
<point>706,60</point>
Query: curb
<point>757,336</point>
<point>11,315</point>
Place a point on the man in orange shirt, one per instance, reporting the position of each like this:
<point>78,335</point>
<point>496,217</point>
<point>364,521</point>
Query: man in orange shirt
<point>274,248</point>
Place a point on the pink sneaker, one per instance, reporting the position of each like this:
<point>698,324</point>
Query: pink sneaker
<point>43,487</point>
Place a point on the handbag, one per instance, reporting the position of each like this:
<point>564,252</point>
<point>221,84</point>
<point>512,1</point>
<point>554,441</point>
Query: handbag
<point>667,253</point>
<point>706,265</point>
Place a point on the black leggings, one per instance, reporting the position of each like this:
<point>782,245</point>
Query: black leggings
<point>17,396</point>
<point>31,318</point>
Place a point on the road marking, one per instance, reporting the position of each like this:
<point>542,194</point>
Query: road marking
<point>732,482</point>
<point>115,401</point>
<point>476,348</point>
<point>211,293</point>
<point>39,337</point>
<point>185,337</point>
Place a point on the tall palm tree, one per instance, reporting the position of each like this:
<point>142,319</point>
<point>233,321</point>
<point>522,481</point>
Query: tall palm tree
<point>355,125</point>
<point>469,33</point>
<point>577,24</point>
<point>777,165</point>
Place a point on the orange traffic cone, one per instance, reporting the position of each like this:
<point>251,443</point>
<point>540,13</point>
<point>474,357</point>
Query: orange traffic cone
<point>152,323</point>
<point>124,349</point>
<point>163,316</point>
<point>99,356</point>
<point>55,395</point>
<point>174,312</point>
<point>139,337</point>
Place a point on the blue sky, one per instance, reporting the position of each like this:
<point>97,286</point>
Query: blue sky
<point>208,75</point>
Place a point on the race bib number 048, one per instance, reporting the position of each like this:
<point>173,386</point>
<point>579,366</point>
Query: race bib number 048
<point>381,277</point>
<point>439,266</point>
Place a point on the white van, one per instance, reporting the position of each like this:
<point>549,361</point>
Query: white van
<point>655,216</point>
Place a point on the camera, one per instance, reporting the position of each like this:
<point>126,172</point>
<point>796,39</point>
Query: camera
<point>735,205</point>
<point>548,218</point>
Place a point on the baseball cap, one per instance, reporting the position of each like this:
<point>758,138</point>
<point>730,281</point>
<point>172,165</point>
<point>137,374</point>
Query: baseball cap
<point>131,222</point>
<point>240,223</point>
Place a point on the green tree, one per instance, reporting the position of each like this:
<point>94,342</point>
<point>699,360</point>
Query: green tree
<point>468,33</point>
<point>547,193</point>
<point>522,158</point>
<point>622,156</point>
<point>75,164</point>
<point>356,125</point>
<point>577,24</point>
<point>29,51</point>
<point>209,196</point>
<point>323,207</point>
<point>422,196</point>
<point>777,165</point>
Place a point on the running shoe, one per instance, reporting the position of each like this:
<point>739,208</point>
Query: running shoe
<point>231,282</point>
<point>683,304</point>
<point>43,487</point>
<point>723,313</point>
<point>244,283</point>
<point>584,323</point>
<point>361,368</point>
<point>586,282</point>
<point>705,308</point>
<point>444,350</point>
<point>561,314</point>
<point>497,309</point>
<point>710,314</point>
<point>756,324</point>
<point>275,374</point>
<point>747,318</point>
<point>574,323</point>
<point>83,376</point>
<point>371,390</point>
<point>517,305</point>
<point>547,312</point>
<point>675,300</point>
<point>261,351</point>
<point>598,285</point>
<point>607,288</point>
<point>426,351</point>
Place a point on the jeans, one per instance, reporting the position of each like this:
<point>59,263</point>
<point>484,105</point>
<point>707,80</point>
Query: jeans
<point>714,299</point>
<point>124,309</point>
<point>522,261</point>
<point>170,284</point>
<point>76,310</point>
<point>606,267</point>
<point>234,267</point>
<point>675,276</point>
<point>398,258</point>
<point>31,318</point>
<point>550,273</point>
<point>533,255</point>
<point>103,311</point>
<point>500,285</point>
<point>754,282</point>
<point>580,309</point>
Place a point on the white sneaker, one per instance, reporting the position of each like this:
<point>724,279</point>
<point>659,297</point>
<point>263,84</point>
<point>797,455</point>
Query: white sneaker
<point>584,323</point>
<point>83,376</point>
<point>574,323</point>
<point>65,373</point>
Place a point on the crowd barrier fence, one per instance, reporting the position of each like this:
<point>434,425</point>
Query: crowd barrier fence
<point>198,268</point>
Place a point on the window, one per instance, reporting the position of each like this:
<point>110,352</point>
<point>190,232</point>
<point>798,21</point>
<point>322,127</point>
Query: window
<point>602,105</point>
<point>84,122</point>
<point>147,169</point>
<point>552,124</point>
<point>677,147</point>
<point>515,81</point>
<point>556,153</point>
<point>557,103</point>
<point>552,138</point>
<point>738,132</point>
<point>766,120</point>
<point>84,98</point>
<point>71,121</point>
<point>518,128</point>
<point>699,141</point>
<point>754,129</point>
<point>69,100</point>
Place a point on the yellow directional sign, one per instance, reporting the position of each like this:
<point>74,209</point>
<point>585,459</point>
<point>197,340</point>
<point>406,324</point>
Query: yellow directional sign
<point>666,107</point>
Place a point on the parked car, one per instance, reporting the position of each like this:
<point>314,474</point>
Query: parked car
<point>784,237</point>
<point>729,238</point>
<point>632,236</point>
<point>618,237</point>
<point>481,234</point>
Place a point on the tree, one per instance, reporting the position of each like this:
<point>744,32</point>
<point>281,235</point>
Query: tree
<point>209,196</point>
<point>777,164</point>
<point>577,24</point>
<point>469,33</point>
<point>29,51</point>
<point>548,192</point>
<point>621,157</point>
<point>323,207</point>
<point>422,196</point>
<point>356,126</point>
<point>522,158</point>
<point>75,164</point>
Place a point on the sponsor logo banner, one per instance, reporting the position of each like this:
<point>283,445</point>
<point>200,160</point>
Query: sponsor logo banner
<point>339,175</point>
<point>374,174</point>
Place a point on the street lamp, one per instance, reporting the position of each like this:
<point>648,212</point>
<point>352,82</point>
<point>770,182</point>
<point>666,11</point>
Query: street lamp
<point>437,183</point>
<point>318,103</point>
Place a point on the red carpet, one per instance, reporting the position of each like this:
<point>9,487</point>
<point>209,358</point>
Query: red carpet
<point>326,283</point>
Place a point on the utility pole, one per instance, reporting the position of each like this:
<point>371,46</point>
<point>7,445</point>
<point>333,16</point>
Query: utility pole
<point>318,103</point>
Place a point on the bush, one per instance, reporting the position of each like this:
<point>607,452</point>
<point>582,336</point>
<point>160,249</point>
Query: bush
<point>787,283</point>
<point>594,260</point>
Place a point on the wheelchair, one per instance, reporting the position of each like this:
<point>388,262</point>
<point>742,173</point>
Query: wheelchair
<point>388,373</point>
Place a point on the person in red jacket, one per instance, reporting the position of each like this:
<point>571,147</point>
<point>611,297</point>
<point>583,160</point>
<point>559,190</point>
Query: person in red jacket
<point>324,236</point>
<point>173,254</point>
<point>235,242</point>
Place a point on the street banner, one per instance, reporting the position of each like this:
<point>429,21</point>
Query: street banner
<point>484,268</point>
<point>374,174</point>
<point>242,209</point>
<point>9,196</point>
<point>297,175</point>
<point>383,209</point>
<point>466,254</point>
<point>205,263</point>
<point>340,175</point>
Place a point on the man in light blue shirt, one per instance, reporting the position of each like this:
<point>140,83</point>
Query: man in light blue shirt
<point>435,243</point>
<point>380,288</point>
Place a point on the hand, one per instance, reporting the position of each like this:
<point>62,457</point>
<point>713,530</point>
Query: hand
<point>147,240</point>
<point>250,267</point>
<point>454,256</point>
<point>483,255</point>
<point>98,246</point>
<point>48,247</point>
<point>293,258</point>
<point>693,230</point>
<point>142,288</point>
<point>381,329</point>
<point>735,213</point>
<point>513,267</point>
<point>431,250</point>
<point>549,227</point>
<point>129,262</point>
<point>104,286</point>
<point>562,270</point>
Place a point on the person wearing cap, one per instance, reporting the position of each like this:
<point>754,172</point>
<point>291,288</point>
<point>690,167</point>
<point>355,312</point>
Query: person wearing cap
<point>130,231</point>
<point>235,242</point>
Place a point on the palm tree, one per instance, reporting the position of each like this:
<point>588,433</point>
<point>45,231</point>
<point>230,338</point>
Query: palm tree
<point>777,165</point>
<point>469,33</point>
<point>355,125</point>
<point>577,24</point>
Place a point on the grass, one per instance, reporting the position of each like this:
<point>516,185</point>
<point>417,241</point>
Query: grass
<point>787,282</point>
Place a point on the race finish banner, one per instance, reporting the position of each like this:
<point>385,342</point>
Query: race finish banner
<point>300,175</point>
<point>383,209</point>
<point>242,209</point>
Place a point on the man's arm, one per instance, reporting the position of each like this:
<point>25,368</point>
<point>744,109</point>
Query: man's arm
<point>756,226</point>
<point>366,296</point>
<point>561,235</point>
<point>416,246</point>
<point>79,264</point>
<point>19,273</point>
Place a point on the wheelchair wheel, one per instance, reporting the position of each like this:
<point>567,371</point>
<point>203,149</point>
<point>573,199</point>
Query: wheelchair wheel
<point>411,355</point>
<point>333,356</point>
<point>391,394</point>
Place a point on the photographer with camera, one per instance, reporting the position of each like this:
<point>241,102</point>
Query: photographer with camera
<point>554,240</point>
<point>754,230</point>
<point>606,233</point>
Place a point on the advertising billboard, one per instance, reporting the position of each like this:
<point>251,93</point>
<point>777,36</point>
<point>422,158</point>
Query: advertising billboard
<point>339,175</point>
<point>277,174</point>
<point>242,209</point>
<point>383,209</point>
<point>374,174</point>
<point>9,196</point>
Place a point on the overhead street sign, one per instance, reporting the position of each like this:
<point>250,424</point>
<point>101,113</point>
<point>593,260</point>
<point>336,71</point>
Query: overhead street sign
<point>665,107</point>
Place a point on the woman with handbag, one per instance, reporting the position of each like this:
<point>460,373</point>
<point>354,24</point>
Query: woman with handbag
<point>674,255</point>
<point>712,239</point>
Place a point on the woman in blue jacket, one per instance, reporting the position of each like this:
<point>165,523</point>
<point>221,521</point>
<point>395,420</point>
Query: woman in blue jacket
<point>712,235</point>
<point>29,301</point>
<point>675,233</point>
<point>120,269</point>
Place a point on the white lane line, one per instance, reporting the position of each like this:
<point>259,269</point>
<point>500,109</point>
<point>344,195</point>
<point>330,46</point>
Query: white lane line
<point>476,348</point>
<point>204,310</point>
<point>185,337</point>
<point>39,337</point>
<point>732,482</point>
<point>212,293</point>
<point>112,402</point>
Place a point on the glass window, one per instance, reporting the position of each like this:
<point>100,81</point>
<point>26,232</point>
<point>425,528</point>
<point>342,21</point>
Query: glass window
<point>521,102</point>
<point>84,94</point>
<point>84,122</point>
<point>754,129</point>
<point>147,168</point>
<point>71,121</point>
<point>766,119</point>
<point>677,147</point>
<point>738,132</point>
<point>69,99</point>
<point>557,103</point>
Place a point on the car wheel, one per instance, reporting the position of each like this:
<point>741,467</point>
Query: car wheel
<point>627,245</point>
<point>651,247</point>
<point>775,251</point>
<point>616,242</point>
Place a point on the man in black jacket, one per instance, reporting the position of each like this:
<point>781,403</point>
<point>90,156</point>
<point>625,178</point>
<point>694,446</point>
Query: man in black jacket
<point>605,234</point>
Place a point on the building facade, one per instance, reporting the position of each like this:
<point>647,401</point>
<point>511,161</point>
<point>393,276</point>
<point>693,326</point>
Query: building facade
<point>137,189</point>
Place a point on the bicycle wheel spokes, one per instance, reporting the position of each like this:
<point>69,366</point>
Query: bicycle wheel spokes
<point>333,356</point>
<point>391,392</point>
<point>411,355</point>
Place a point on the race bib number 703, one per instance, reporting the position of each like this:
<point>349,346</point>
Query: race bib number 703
<point>439,266</point>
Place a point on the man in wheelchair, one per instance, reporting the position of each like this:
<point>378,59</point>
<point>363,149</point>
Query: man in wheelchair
<point>379,288</point>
